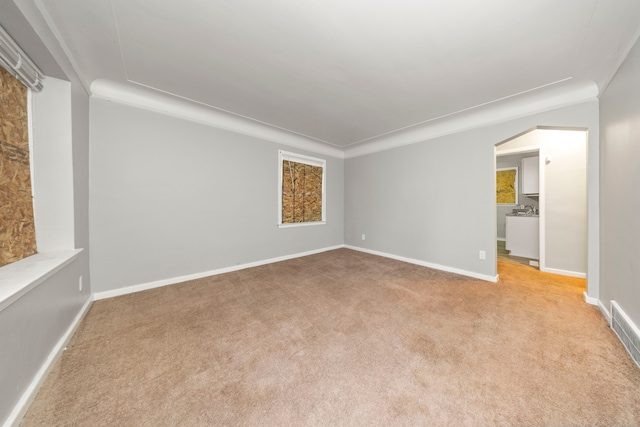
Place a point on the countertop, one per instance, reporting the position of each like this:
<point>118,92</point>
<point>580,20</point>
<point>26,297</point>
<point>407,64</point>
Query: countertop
<point>529,215</point>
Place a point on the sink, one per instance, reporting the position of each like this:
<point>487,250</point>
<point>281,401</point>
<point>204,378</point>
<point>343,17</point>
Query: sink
<point>526,214</point>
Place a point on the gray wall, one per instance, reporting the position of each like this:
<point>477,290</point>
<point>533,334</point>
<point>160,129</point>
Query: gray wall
<point>32,326</point>
<point>514,160</point>
<point>171,197</point>
<point>30,329</point>
<point>620,172</point>
<point>434,201</point>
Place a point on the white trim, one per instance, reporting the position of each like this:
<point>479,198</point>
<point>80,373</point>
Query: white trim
<point>30,128</point>
<point>596,302</point>
<point>591,300</point>
<point>565,94</point>
<point>30,393</point>
<point>540,149</point>
<point>151,99</point>
<point>300,224</point>
<point>564,272</point>
<point>626,318</point>
<point>40,19</point>
<point>301,158</point>
<point>542,206</point>
<point>174,280</point>
<point>18,63</point>
<point>632,337</point>
<point>606,313</point>
<point>517,150</point>
<point>307,160</point>
<point>467,273</point>
<point>22,276</point>
<point>622,56</point>
<point>501,239</point>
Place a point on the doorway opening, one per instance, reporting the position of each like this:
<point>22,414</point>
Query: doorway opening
<point>546,226</point>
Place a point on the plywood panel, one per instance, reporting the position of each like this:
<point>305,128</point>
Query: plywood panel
<point>17,229</point>
<point>506,186</point>
<point>301,192</point>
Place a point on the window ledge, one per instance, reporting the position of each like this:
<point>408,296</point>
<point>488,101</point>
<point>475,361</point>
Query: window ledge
<point>18,278</point>
<point>301,224</point>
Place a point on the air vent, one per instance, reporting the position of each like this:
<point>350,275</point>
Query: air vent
<point>626,330</point>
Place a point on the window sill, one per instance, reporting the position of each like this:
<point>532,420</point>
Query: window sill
<point>301,224</point>
<point>20,277</point>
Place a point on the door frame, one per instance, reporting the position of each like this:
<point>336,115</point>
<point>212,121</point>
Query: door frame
<point>540,151</point>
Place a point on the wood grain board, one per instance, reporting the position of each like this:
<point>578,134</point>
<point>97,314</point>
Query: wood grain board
<point>17,229</point>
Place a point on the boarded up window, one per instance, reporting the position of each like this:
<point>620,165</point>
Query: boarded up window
<point>302,189</point>
<point>506,186</point>
<point>17,230</point>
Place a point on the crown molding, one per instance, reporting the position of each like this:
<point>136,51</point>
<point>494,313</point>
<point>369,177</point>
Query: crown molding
<point>549,98</point>
<point>622,56</point>
<point>150,99</point>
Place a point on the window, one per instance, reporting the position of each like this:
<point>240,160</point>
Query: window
<point>507,186</point>
<point>17,228</point>
<point>301,193</point>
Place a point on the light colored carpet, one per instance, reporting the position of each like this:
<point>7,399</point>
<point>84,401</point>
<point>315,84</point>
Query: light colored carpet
<point>345,338</point>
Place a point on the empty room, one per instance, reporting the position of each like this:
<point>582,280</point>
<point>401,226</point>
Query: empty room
<point>319,213</point>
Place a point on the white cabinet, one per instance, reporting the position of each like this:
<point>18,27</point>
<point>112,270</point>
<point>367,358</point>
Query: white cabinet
<point>523,237</point>
<point>530,175</point>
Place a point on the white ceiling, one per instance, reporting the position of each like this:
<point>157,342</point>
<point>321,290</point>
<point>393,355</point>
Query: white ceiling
<point>347,71</point>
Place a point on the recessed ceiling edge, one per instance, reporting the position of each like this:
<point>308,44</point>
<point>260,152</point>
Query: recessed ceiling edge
<point>161,102</point>
<point>532,103</point>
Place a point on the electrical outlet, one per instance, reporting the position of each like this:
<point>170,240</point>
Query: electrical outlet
<point>363,237</point>
<point>483,255</point>
<point>80,284</point>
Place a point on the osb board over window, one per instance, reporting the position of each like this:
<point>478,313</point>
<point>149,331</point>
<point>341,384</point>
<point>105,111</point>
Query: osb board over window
<point>301,192</point>
<point>17,230</point>
<point>506,187</point>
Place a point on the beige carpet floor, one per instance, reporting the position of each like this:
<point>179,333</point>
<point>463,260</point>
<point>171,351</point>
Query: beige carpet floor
<point>345,338</point>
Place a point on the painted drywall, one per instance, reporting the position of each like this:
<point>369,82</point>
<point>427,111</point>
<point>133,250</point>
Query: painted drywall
<point>620,179</point>
<point>512,161</point>
<point>434,201</point>
<point>30,329</point>
<point>172,197</point>
<point>565,213</point>
<point>33,326</point>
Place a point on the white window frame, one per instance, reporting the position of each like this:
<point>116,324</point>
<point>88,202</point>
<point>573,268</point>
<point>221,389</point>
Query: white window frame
<point>308,160</point>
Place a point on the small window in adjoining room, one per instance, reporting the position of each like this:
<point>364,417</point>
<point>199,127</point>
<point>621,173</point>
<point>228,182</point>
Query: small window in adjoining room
<point>301,195</point>
<point>17,228</point>
<point>507,186</point>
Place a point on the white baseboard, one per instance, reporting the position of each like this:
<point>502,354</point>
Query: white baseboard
<point>174,280</point>
<point>590,300</point>
<point>564,272</point>
<point>595,301</point>
<point>472,274</point>
<point>29,394</point>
